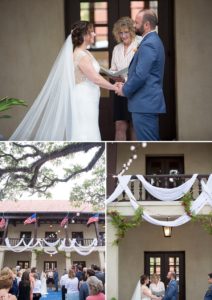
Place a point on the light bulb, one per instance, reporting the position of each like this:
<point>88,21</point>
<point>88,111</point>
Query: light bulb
<point>135,156</point>
<point>144,144</point>
<point>132,148</point>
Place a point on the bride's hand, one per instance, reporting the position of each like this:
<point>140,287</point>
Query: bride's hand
<point>116,86</point>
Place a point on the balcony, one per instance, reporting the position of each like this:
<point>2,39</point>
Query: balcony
<point>164,181</point>
<point>82,242</point>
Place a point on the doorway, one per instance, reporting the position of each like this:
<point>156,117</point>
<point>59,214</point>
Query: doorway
<point>103,14</point>
<point>49,265</point>
<point>163,262</point>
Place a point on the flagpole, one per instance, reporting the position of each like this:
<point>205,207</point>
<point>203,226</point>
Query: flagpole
<point>96,225</point>
<point>66,234</point>
<point>35,232</point>
<point>66,231</point>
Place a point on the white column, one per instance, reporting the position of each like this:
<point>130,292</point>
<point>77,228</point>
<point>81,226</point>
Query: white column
<point>33,260</point>
<point>112,259</point>
<point>2,252</point>
<point>101,259</point>
<point>68,260</point>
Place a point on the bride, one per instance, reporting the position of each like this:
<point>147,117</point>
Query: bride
<point>67,107</point>
<point>142,292</point>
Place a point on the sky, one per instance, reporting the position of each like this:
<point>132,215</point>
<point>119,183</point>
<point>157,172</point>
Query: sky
<point>62,190</point>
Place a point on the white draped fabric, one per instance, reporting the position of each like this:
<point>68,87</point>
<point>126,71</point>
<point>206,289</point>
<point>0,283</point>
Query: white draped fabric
<point>166,194</point>
<point>204,198</point>
<point>73,246</point>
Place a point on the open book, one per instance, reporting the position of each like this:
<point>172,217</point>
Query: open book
<point>112,74</point>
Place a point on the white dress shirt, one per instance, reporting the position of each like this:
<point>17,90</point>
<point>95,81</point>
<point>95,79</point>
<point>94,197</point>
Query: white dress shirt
<point>63,279</point>
<point>37,287</point>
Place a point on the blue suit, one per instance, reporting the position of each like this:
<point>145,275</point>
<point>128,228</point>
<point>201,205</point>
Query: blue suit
<point>208,295</point>
<point>171,291</point>
<point>144,87</point>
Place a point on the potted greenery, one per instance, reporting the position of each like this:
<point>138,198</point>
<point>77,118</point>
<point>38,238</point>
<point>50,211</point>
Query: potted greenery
<point>7,103</point>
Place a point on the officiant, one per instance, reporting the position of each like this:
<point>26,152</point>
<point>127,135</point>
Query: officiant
<point>123,52</point>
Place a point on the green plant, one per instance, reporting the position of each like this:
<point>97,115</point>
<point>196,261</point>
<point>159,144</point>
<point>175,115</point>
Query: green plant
<point>113,298</point>
<point>186,202</point>
<point>122,224</point>
<point>7,103</point>
<point>206,220</point>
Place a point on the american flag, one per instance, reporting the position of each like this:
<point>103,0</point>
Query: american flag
<point>93,219</point>
<point>64,221</point>
<point>31,219</point>
<point>2,223</point>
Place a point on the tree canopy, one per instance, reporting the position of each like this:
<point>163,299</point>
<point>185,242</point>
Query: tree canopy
<point>32,167</point>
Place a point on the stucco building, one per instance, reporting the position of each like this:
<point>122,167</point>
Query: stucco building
<point>145,249</point>
<point>50,213</point>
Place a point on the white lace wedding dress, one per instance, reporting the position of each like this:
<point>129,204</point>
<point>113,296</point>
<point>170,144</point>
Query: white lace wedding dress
<point>85,103</point>
<point>67,108</point>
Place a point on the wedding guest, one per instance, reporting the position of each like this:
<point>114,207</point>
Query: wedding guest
<point>79,272</point>
<point>124,33</point>
<point>25,287</point>
<point>14,288</point>
<point>208,295</point>
<point>71,285</point>
<point>63,280</point>
<point>157,287</point>
<point>84,287</point>
<point>6,281</point>
<point>145,291</point>
<point>99,274</point>
<point>96,288</point>
<point>37,287</point>
<point>19,275</point>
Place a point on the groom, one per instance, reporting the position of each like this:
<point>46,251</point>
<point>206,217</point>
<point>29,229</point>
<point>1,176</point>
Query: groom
<point>145,79</point>
<point>172,289</point>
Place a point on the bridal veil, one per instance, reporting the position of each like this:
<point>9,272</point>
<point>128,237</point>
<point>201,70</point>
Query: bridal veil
<point>49,118</point>
<point>137,292</point>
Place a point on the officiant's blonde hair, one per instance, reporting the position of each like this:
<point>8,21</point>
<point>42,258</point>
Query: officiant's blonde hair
<point>124,22</point>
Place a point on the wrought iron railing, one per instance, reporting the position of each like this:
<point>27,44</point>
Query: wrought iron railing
<point>165,181</point>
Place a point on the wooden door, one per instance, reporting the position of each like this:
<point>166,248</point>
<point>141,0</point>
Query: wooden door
<point>163,262</point>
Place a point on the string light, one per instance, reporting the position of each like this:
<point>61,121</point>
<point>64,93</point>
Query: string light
<point>133,157</point>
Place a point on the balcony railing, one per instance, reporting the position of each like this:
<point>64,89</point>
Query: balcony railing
<point>82,242</point>
<point>165,181</point>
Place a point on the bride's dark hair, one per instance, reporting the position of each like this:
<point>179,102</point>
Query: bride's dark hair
<point>79,30</point>
<point>143,278</point>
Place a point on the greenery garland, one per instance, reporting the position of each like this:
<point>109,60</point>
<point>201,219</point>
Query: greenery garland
<point>206,221</point>
<point>122,224</point>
